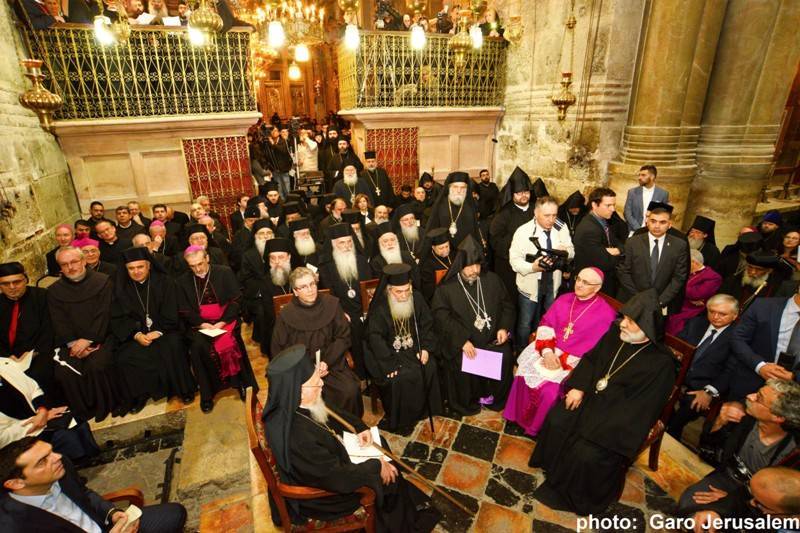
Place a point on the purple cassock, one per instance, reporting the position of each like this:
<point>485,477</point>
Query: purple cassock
<point>700,286</point>
<point>571,327</point>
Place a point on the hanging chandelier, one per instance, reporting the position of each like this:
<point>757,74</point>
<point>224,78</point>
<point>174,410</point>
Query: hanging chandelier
<point>292,23</point>
<point>108,33</point>
<point>203,24</point>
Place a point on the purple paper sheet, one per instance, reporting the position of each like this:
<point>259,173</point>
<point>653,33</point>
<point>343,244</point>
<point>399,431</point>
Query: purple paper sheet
<point>487,364</point>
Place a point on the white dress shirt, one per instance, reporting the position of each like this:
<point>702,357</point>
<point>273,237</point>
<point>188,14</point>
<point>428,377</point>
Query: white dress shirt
<point>647,197</point>
<point>653,243</point>
<point>59,504</point>
<point>791,313</point>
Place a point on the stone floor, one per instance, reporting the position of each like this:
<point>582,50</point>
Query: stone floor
<point>480,460</point>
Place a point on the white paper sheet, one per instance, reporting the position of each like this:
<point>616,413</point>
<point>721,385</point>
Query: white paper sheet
<point>356,452</point>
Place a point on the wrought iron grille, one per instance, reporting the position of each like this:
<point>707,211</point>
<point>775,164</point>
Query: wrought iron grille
<point>396,152</point>
<point>386,72</point>
<point>156,73</point>
<point>219,167</point>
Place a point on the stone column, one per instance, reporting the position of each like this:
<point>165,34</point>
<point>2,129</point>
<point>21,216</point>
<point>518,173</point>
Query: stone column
<point>756,61</point>
<point>676,51</point>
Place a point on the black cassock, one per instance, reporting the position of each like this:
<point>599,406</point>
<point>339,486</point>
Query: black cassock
<point>82,310</point>
<point>427,271</point>
<point>34,332</point>
<point>378,262</point>
<point>466,222</point>
<point>405,397</point>
<point>223,289</point>
<point>320,460</point>
<point>455,320</point>
<point>585,453</point>
<point>378,179</point>
<point>162,368</point>
<point>348,193</point>
<point>501,232</point>
<point>258,292</point>
<point>330,279</point>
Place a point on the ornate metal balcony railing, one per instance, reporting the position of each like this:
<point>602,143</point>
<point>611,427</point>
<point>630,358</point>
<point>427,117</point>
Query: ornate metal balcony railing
<point>156,73</point>
<point>386,72</point>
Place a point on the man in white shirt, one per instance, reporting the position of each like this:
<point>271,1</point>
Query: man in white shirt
<point>538,279</point>
<point>43,492</point>
<point>640,197</point>
<point>307,151</point>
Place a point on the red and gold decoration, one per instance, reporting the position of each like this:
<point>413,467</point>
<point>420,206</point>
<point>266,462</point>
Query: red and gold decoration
<point>396,152</point>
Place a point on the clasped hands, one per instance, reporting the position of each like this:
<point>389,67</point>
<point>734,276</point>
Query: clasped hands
<point>82,348</point>
<point>146,339</point>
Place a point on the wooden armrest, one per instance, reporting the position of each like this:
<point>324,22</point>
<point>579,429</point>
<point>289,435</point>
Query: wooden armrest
<point>348,357</point>
<point>131,495</point>
<point>367,496</point>
<point>296,492</point>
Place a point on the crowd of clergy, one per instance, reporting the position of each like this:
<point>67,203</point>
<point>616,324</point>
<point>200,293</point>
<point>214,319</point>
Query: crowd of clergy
<point>447,299</point>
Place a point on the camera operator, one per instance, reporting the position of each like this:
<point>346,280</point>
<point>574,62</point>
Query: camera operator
<point>748,438</point>
<point>539,268</point>
<point>444,24</point>
<point>279,158</point>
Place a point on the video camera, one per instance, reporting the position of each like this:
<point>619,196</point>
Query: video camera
<point>551,259</point>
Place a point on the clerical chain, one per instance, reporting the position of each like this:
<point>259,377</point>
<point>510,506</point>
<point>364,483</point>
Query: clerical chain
<point>372,182</point>
<point>482,318</point>
<point>402,338</point>
<point>352,194</point>
<point>453,226</point>
<point>602,383</point>
<point>200,295</point>
<point>570,329</point>
<point>148,322</point>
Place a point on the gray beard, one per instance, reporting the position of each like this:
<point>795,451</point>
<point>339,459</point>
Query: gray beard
<point>456,198</point>
<point>346,265</point>
<point>753,282</point>
<point>261,246</point>
<point>411,235</point>
<point>380,220</point>
<point>696,244</point>
<point>305,246</point>
<point>318,411</point>
<point>392,256</point>
<point>350,180</point>
<point>279,276</point>
<point>401,310</point>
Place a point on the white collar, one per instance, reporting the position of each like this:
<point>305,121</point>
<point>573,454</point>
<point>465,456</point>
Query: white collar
<point>38,500</point>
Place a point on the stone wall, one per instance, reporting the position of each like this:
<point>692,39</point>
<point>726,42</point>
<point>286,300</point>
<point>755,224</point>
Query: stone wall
<point>530,134</point>
<point>33,172</point>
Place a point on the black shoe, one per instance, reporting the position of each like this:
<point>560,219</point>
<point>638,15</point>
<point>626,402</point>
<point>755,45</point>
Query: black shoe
<point>242,392</point>
<point>187,398</point>
<point>138,406</point>
<point>207,405</point>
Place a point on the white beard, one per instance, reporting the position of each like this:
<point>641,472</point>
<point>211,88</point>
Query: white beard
<point>346,265</point>
<point>456,198</point>
<point>391,256</point>
<point>261,246</point>
<point>630,338</point>
<point>401,310</point>
<point>695,244</point>
<point>318,411</point>
<point>380,220</point>
<point>279,275</point>
<point>350,180</point>
<point>753,282</point>
<point>411,235</point>
<point>305,246</point>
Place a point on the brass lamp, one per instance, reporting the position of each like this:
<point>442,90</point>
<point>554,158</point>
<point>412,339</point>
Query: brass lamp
<point>38,99</point>
<point>564,99</point>
<point>203,23</point>
<point>461,43</point>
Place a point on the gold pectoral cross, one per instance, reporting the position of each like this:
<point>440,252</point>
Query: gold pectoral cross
<point>568,330</point>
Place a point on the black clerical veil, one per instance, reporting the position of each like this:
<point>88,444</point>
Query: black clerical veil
<point>644,310</point>
<point>519,181</point>
<point>286,374</point>
<point>469,252</point>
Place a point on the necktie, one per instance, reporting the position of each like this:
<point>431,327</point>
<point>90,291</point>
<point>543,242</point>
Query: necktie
<point>654,262</point>
<point>704,345</point>
<point>12,328</point>
<point>547,277</point>
<point>608,234</point>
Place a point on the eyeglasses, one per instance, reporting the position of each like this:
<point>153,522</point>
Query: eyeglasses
<point>580,279</point>
<point>307,287</point>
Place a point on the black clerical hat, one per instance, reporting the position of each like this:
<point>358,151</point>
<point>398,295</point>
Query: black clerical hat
<point>196,228</point>
<point>519,181</point>
<point>402,210</point>
<point>469,252</point>
<point>252,212</point>
<point>255,200</point>
<point>369,154</point>
<point>457,177</point>
<point>11,269</point>
<point>382,229</point>
<point>261,224</point>
<point>763,260</point>
<point>290,208</point>
<point>136,254</point>
<point>278,244</point>
<point>750,241</point>
<point>574,200</point>
<point>438,236</point>
<point>338,231</point>
<point>352,216</point>
<point>300,223</point>
<point>660,205</point>
<point>643,309</point>
<point>706,225</point>
<point>539,188</point>
<point>425,177</point>
<point>397,274</point>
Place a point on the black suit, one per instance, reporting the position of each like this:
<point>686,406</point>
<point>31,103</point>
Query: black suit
<point>38,14</point>
<point>708,368</point>
<point>634,271</point>
<point>237,221</point>
<point>755,340</point>
<point>590,243</point>
<point>17,517</point>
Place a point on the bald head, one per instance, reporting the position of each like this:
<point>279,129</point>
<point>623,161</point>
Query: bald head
<point>588,283</point>
<point>777,490</point>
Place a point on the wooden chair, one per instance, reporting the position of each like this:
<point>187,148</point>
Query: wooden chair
<point>362,519</point>
<point>683,353</point>
<point>132,495</point>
